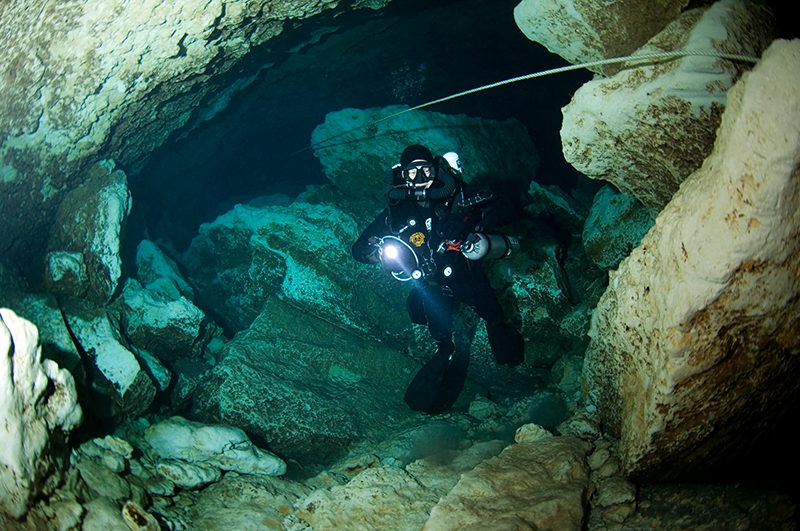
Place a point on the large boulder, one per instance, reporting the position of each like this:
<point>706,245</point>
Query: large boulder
<point>168,328</point>
<point>542,484</point>
<point>647,128</point>
<point>615,225</point>
<point>86,236</point>
<point>39,407</point>
<point>616,29</point>
<point>304,385</point>
<point>501,152</point>
<point>120,384</point>
<point>694,344</point>
<point>222,446</point>
<point>300,253</point>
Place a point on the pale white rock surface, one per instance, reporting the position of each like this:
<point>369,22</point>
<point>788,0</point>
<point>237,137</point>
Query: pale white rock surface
<point>39,407</point>
<point>122,380</point>
<point>383,497</point>
<point>246,503</point>
<point>647,128</point>
<point>66,274</point>
<point>168,328</point>
<point>153,267</point>
<point>697,332</point>
<point>580,32</point>
<point>225,447</point>
<point>188,475</point>
<point>89,222</point>
<point>531,485</point>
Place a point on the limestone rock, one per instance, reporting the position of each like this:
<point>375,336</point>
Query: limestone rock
<point>103,514</point>
<point>246,502</point>
<point>39,407</point>
<point>538,485</point>
<point>116,78</point>
<point>89,223</point>
<point>274,382</point>
<point>168,328</point>
<point>43,311</point>
<point>529,433</point>
<point>102,481</point>
<point>155,270</point>
<point>383,497</point>
<point>188,475</point>
<point>121,384</point>
<point>300,253</point>
<point>615,225</point>
<point>553,202</point>
<point>66,274</point>
<point>225,447</point>
<point>500,150</point>
<point>647,128</point>
<point>694,344</point>
<point>536,290</point>
<point>580,32</point>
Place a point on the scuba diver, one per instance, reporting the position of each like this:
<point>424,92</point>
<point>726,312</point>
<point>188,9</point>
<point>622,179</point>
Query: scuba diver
<point>433,234</point>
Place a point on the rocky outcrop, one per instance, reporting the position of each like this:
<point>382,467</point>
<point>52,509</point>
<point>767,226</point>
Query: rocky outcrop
<point>39,407</point>
<point>84,247</point>
<point>222,446</point>
<point>542,484</point>
<point>301,383</point>
<point>614,226</point>
<point>120,385</point>
<point>168,328</point>
<point>299,253</point>
<point>695,340</point>
<point>112,80</point>
<point>647,128</point>
<point>580,32</point>
<point>501,151</point>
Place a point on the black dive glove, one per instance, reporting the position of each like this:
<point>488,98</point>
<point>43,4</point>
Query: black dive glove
<point>456,225</point>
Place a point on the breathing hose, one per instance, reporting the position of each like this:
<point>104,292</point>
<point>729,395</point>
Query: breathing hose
<point>631,60</point>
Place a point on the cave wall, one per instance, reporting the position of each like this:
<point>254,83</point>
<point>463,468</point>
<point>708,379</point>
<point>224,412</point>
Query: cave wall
<point>94,80</point>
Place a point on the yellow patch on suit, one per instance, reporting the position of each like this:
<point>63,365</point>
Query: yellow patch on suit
<point>418,239</point>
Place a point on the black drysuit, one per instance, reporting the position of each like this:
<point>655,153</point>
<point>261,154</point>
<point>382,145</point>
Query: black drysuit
<point>448,275</point>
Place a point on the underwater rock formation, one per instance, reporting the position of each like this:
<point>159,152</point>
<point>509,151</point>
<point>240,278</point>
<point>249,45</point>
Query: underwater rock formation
<point>501,151</point>
<point>695,341</point>
<point>89,224</point>
<point>647,128</point>
<point>222,446</point>
<point>616,29</point>
<point>542,484</point>
<point>307,386</point>
<point>299,253</point>
<point>39,407</point>
<point>95,79</point>
<point>615,225</point>
<point>120,384</point>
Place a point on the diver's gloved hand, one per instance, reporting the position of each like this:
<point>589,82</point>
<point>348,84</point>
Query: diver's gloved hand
<point>456,225</point>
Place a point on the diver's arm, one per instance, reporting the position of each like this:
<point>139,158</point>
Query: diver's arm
<point>364,249</point>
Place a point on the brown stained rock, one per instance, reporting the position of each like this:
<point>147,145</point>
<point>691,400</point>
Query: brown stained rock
<point>580,32</point>
<point>648,127</point>
<point>538,485</point>
<point>694,344</point>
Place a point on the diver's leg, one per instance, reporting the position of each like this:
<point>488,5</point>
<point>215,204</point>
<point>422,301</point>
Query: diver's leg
<point>507,344</point>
